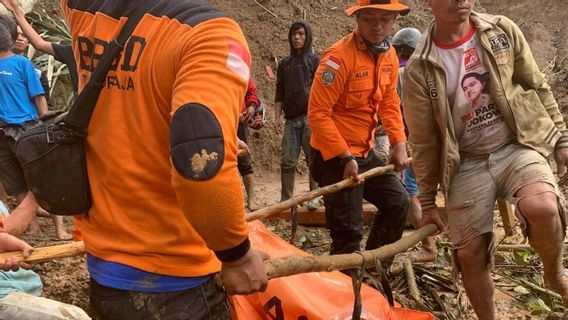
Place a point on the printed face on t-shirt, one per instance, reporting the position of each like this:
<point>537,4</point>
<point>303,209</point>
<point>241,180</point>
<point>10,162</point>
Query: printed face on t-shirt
<point>473,87</point>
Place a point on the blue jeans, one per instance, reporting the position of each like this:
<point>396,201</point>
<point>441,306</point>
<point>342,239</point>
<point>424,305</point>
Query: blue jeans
<point>409,181</point>
<point>205,302</point>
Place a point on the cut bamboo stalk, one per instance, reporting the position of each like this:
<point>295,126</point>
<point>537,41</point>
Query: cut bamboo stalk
<point>48,253</point>
<point>347,183</point>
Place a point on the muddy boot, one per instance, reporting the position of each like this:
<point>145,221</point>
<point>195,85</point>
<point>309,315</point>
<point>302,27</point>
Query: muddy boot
<point>288,177</point>
<point>248,181</point>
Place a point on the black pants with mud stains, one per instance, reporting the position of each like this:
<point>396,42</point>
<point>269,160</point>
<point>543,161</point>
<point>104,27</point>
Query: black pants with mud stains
<point>344,209</point>
<point>205,302</point>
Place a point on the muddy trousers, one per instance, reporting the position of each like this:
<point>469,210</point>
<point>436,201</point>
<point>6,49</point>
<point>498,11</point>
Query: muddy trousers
<point>205,302</point>
<point>344,209</point>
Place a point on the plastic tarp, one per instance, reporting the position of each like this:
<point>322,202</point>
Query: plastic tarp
<point>311,296</point>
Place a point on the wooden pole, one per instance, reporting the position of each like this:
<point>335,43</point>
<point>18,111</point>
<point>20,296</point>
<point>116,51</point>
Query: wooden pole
<point>275,268</point>
<point>295,264</point>
<point>48,253</point>
<point>347,183</point>
<point>78,248</point>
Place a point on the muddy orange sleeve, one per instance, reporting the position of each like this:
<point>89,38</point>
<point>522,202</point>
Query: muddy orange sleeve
<point>329,83</point>
<point>209,89</point>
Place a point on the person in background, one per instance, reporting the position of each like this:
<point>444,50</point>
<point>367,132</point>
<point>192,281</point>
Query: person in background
<point>251,104</point>
<point>22,102</point>
<point>405,42</point>
<point>295,75</point>
<point>62,53</point>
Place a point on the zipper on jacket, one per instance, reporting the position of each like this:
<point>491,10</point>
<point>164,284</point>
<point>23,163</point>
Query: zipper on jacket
<point>375,88</point>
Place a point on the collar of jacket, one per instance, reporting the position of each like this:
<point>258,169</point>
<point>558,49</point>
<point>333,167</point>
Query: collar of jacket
<point>425,49</point>
<point>359,41</point>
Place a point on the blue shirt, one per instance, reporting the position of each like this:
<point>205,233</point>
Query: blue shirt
<point>123,277</point>
<point>19,84</point>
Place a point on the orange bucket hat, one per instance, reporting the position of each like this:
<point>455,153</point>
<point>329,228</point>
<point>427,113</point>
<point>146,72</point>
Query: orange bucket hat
<point>387,5</point>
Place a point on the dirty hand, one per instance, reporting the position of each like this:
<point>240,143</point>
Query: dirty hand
<point>245,275</point>
<point>249,113</point>
<point>10,243</point>
<point>399,156</point>
<point>241,145</point>
<point>351,171</point>
<point>432,216</point>
<point>561,158</point>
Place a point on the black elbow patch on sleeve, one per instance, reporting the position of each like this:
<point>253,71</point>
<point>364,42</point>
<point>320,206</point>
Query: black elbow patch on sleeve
<point>234,253</point>
<point>196,142</point>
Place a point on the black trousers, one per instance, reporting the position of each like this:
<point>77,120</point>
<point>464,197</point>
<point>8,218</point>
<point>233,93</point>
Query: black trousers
<point>205,302</point>
<point>344,209</point>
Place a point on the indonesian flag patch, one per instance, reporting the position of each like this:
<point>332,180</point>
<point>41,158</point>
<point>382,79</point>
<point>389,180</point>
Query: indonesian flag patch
<point>333,62</point>
<point>239,60</point>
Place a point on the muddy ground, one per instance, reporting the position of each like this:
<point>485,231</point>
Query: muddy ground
<point>542,21</point>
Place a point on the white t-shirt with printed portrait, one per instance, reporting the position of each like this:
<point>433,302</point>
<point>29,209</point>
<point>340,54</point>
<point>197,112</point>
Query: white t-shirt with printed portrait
<point>479,125</point>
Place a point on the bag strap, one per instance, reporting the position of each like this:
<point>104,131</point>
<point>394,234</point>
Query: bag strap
<point>84,104</point>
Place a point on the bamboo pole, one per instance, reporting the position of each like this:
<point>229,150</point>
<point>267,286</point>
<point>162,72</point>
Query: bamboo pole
<point>48,253</point>
<point>78,248</point>
<point>347,183</point>
<point>275,268</point>
<point>295,264</point>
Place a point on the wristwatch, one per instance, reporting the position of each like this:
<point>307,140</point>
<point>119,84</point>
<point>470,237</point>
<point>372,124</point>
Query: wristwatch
<point>344,161</point>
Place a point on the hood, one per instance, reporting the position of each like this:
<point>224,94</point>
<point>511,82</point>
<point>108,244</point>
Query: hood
<point>309,37</point>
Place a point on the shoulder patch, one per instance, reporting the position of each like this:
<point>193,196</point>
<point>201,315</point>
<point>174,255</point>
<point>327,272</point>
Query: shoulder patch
<point>327,77</point>
<point>197,146</point>
<point>499,42</point>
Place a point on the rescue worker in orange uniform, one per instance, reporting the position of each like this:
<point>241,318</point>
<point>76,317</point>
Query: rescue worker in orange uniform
<point>161,151</point>
<point>354,86</point>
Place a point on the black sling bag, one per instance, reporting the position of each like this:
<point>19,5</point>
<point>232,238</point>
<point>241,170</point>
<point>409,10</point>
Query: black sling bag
<point>52,153</point>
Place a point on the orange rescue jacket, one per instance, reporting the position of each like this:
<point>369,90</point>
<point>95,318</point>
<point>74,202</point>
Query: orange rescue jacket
<point>350,92</point>
<point>145,213</point>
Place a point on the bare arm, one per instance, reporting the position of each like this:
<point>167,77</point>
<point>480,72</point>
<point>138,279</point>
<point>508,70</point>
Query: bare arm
<point>41,105</point>
<point>33,37</point>
<point>17,222</point>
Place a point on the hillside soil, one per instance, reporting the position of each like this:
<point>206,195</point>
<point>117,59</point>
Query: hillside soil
<point>265,24</point>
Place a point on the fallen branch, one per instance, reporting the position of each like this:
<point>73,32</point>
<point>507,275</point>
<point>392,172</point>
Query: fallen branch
<point>347,183</point>
<point>538,289</point>
<point>266,9</point>
<point>295,264</point>
<point>412,286</point>
<point>48,253</point>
